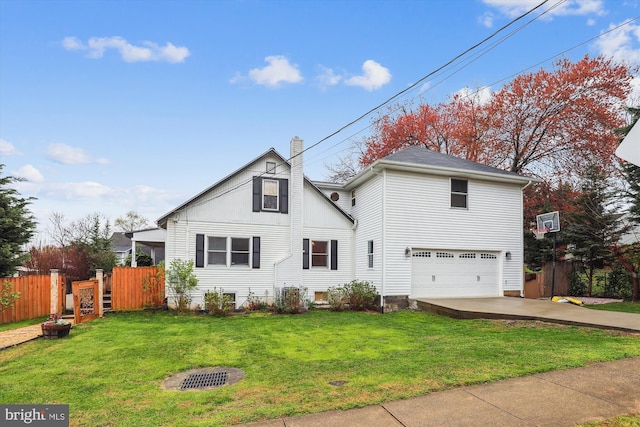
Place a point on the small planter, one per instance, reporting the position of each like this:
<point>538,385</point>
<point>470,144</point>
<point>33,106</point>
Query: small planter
<point>52,332</point>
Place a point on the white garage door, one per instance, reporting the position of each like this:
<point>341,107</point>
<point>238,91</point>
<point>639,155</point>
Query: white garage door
<point>454,274</point>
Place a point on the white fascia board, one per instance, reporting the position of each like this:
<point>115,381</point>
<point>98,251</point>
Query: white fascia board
<point>437,170</point>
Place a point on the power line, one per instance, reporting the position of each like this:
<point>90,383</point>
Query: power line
<point>389,100</point>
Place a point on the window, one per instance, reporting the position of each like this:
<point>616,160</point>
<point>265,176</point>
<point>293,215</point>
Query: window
<point>270,194</point>
<point>320,296</point>
<point>239,251</point>
<point>319,253</point>
<point>353,197</point>
<point>459,193</point>
<point>271,167</point>
<point>217,251</point>
<point>227,251</point>
<point>370,253</point>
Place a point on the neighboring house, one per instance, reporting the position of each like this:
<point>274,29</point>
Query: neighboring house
<point>121,246</point>
<point>151,241</point>
<point>415,224</point>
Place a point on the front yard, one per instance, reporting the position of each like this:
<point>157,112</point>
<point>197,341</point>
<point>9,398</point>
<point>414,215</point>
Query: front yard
<point>110,370</point>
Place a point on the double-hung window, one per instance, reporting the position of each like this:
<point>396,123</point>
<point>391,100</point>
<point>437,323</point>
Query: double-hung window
<point>370,253</point>
<point>270,191</point>
<point>319,253</point>
<point>217,251</point>
<point>239,251</point>
<point>459,193</point>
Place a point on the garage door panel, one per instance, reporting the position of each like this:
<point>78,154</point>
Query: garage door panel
<point>442,273</point>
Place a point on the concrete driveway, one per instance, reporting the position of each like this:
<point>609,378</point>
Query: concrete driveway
<point>530,309</point>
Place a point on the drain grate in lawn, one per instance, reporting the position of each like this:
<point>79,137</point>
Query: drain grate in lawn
<point>203,379</point>
<point>213,379</point>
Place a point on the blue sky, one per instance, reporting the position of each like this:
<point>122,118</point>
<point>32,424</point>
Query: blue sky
<point>112,106</point>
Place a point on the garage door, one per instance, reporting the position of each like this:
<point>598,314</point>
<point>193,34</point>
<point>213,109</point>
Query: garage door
<point>454,274</point>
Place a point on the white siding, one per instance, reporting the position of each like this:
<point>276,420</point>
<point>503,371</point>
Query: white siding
<point>321,278</point>
<point>231,202</point>
<point>418,215</point>
<point>369,215</point>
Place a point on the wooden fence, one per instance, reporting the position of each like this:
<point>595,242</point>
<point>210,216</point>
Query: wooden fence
<point>35,297</point>
<point>135,288</point>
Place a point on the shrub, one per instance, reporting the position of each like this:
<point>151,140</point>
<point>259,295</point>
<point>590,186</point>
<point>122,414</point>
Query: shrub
<point>290,300</point>
<point>577,285</point>
<point>217,303</point>
<point>181,281</point>
<point>337,298</point>
<point>360,295</point>
<point>8,296</point>
<point>618,284</point>
<point>255,303</point>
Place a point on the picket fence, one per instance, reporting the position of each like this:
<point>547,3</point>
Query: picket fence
<point>35,297</point>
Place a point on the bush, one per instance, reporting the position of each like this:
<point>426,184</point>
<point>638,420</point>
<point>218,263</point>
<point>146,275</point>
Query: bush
<point>290,300</point>
<point>337,298</point>
<point>181,281</point>
<point>217,303</point>
<point>255,303</point>
<point>359,295</point>
<point>577,285</point>
<point>617,284</point>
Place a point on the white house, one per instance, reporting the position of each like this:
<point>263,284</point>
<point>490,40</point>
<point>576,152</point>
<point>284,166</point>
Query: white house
<point>415,224</point>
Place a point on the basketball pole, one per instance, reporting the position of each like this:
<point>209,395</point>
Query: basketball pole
<point>553,269</point>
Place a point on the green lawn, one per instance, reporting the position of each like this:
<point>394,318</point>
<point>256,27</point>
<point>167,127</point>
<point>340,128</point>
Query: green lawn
<point>627,306</point>
<point>110,370</point>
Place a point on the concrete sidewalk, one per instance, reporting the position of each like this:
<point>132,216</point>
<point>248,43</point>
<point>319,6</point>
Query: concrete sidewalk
<point>558,398</point>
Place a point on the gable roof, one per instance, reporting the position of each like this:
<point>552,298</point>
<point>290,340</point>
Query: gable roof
<point>163,219</point>
<point>420,159</point>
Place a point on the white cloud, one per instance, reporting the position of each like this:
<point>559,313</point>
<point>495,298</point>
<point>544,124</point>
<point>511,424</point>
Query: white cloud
<point>7,148</point>
<point>147,51</point>
<point>374,76</point>
<point>486,20</point>
<point>327,77</point>
<point>279,70</point>
<point>67,155</point>
<point>481,95</point>
<point>514,8</point>
<point>29,173</point>
<point>622,44</point>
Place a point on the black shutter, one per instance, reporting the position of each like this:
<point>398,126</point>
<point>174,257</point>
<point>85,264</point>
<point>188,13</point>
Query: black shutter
<point>257,194</point>
<point>255,263</point>
<point>199,250</point>
<point>334,254</point>
<point>283,188</point>
<point>305,254</point>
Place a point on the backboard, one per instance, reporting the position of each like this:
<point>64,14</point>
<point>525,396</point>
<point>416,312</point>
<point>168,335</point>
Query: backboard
<point>550,221</point>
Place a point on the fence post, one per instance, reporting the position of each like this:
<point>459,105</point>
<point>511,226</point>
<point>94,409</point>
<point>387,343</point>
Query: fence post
<point>100,277</point>
<point>53,293</point>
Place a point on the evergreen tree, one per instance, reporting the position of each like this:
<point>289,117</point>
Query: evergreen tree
<point>17,225</point>
<point>596,225</point>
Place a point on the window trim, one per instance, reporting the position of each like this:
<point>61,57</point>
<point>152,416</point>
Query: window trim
<point>370,254</point>
<point>231,252</point>
<point>218,251</point>
<point>457,194</point>
<point>266,181</point>
<point>324,255</point>
<point>271,168</point>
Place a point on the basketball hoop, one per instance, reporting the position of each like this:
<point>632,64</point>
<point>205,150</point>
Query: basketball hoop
<point>540,232</point>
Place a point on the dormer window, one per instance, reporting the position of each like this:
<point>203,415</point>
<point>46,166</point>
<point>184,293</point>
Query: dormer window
<point>271,167</point>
